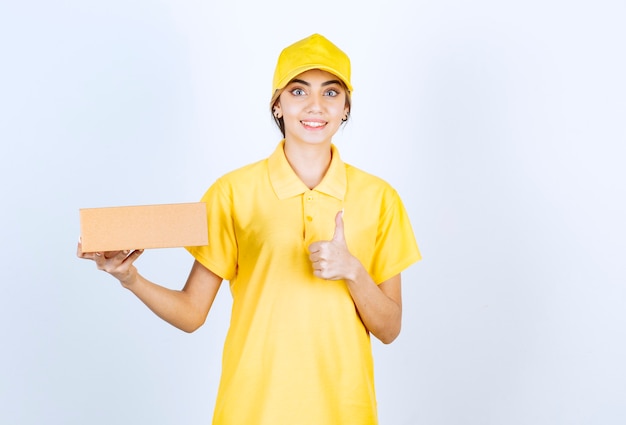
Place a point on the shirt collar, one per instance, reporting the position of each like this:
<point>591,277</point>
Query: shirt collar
<point>287,184</point>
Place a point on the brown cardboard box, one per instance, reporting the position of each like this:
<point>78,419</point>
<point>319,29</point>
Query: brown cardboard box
<point>145,226</point>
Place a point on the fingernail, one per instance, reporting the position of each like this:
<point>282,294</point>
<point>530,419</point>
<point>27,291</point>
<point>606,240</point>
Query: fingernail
<point>98,254</point>
<point>126,252</point>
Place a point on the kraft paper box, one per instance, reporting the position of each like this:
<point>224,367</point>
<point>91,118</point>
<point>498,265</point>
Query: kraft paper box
<point>143,226</point>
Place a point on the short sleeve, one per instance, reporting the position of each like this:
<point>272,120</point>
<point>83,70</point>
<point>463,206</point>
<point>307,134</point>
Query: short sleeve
<point>220,255</point>
<point>396,247</point>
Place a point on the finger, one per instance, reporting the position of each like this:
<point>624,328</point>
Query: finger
<point>86,255</point>
<point>314,257</point>
<point>83,255</point>
<point>314,247</point>
<point>79,250</point>
<point>339,230</point>
<point>99,258</point>
<point>111,254</point>
<point>130,258</point>
<point>317,266</point>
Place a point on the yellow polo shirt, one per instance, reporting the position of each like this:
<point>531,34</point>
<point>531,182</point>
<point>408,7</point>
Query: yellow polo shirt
<point>297,352</point>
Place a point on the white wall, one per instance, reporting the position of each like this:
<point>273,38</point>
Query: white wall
<point>501,124</point>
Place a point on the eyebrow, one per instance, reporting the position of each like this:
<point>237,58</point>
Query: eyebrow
<point>326,83</point>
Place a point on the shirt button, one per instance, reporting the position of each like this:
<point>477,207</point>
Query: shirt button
<point>309,218</point>
<point>310,198</point>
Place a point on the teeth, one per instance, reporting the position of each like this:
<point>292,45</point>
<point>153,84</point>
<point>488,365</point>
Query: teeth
<point>313,124</point>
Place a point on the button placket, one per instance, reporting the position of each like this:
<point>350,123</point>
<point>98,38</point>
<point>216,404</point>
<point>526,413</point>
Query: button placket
<point>309,215</point>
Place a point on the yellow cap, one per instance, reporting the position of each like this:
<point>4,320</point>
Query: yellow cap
<point>313,52</point>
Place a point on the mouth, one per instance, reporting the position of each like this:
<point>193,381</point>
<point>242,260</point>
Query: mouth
<point>314,125</point>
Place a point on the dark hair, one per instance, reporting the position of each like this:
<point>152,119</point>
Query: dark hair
<point>281,123</point>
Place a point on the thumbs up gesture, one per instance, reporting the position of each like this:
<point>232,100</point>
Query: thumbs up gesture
<point>331,260</point>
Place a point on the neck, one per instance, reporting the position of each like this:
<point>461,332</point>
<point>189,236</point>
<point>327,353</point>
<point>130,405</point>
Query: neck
<point>309,162</point>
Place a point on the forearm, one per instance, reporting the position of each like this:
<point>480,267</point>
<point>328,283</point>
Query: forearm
<point>380,313</point>
<point>186,309</point>
<point>174,306</point>
<point>380,306</point>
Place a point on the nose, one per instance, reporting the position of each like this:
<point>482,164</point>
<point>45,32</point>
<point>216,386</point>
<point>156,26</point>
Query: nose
<point>315,103</point>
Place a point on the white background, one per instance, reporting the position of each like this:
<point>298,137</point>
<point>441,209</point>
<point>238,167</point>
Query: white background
<point>501,124</point>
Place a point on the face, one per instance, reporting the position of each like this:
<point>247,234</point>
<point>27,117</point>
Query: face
<point>312,106</point>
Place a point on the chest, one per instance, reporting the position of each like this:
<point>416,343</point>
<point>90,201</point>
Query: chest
<point>269,224</point>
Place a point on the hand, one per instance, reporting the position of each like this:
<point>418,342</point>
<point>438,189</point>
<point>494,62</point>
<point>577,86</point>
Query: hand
<point>119,264</point>
<point>331,259</point>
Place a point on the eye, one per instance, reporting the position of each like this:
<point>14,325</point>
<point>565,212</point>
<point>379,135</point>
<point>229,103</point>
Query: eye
<point>297,92</point>
<point>332,93</point>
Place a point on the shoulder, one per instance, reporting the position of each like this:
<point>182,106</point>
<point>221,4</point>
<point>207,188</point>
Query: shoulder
<point>371,190</point>
<point>236,180</point>
<point>245,172</point>
<point>245,176</point>
<point>360,179</point>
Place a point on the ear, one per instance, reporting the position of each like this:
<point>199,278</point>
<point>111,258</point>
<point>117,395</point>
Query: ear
<point>276,110</point>
<point>346,113</point>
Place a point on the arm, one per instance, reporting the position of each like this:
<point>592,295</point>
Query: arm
<point>380,306</point>
<point>185,309</point>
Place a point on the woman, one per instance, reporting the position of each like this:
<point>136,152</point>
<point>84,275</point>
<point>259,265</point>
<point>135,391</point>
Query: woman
<point>313,250</point>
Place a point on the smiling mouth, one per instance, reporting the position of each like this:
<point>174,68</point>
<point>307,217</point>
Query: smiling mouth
<point>314,124</point>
